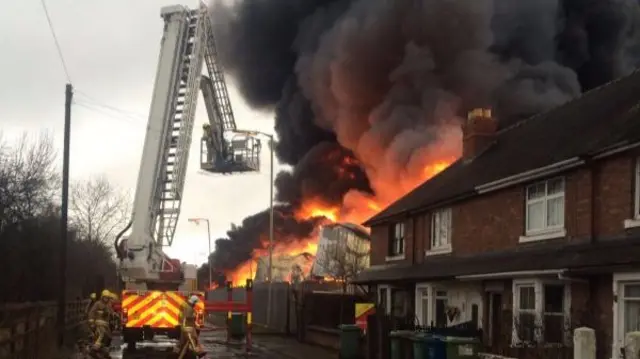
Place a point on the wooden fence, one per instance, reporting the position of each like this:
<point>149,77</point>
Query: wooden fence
<point>29,330</point>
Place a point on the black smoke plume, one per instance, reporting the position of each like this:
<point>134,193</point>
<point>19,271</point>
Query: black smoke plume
<point>387,83</point>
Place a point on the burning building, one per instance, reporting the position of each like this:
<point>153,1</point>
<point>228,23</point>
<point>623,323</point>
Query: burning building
<point>343,251</point>
<point>286,268</point>
<point>369,95</point>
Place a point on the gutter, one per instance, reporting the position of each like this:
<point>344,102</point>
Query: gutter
<point>615,149</point>
<point>411,212</point>
<point>530,175</point>
<point>503,275</point>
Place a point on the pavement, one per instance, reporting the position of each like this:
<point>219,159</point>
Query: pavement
<point>265,346</point>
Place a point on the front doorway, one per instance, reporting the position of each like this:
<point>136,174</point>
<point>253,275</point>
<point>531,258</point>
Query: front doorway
<point>495,318</point>
<point>627,312</point>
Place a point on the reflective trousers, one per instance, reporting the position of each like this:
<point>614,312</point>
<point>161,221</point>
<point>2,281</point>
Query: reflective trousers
<point>189,341</point>
<point>102,335</point>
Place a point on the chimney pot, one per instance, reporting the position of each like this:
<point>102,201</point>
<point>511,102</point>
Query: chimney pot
<point>478,132</point>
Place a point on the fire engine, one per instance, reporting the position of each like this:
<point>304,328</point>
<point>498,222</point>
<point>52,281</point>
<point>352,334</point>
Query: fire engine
<point>154,286</point>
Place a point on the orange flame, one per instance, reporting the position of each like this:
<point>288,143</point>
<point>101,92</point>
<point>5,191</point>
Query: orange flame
<point>356,208</point>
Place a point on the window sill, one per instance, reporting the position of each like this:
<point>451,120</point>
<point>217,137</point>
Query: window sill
<point>632,223</point>
<point>399,257</point>
<point>437,251</point>
<point>544,235</point>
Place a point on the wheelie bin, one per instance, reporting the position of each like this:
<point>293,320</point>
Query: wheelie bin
<point>349,341</point>
<point>399,343</point>
<point>462,347</point>
<point>427,346</point>
<point>237,325</point>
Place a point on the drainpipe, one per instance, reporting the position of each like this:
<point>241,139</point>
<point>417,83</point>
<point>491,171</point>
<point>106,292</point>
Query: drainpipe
<point>413,237</point>
<point>594,177</point>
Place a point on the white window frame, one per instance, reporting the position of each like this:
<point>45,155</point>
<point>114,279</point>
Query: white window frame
<point>547,232</point>
<point>635,220</point>
<point>538,285</point>
<point>388,288</point>
<point>619,281</point>
<point>445,248</point>
<point>393,239</point>
<point>432,296</point>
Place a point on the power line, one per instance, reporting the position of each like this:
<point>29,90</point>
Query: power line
<point>94,101</point>
<point>107,112</point>
<point>55,39</point>
<point>110,113</point>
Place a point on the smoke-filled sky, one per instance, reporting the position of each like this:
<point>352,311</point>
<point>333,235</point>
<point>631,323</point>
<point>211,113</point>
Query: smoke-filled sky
<point>379,87</point>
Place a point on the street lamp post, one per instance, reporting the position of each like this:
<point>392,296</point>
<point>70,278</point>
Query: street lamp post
<point>271,183</point>
<point>197,221</point>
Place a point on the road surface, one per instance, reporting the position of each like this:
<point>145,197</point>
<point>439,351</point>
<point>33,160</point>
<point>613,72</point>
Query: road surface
<point>162,348</point>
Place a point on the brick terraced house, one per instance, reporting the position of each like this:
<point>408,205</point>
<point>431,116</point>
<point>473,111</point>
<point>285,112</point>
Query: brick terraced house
<point>533,231</point>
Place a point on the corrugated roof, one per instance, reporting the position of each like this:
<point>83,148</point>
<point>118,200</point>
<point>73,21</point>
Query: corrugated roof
<point>600,118</point>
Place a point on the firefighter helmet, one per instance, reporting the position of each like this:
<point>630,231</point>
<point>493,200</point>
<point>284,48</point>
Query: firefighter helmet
<point>105,293</point>
<point>92,296</point>
<point>193,299</point>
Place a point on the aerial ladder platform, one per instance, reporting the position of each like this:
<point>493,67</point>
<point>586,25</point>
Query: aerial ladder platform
<point>147,274</point>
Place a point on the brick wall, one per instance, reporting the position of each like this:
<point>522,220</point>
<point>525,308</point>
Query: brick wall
<point>598,199</point>
<point>614,195</point>
<point>380,236</point>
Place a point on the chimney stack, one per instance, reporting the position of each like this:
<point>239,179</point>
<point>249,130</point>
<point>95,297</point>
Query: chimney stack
<point>478,132</point>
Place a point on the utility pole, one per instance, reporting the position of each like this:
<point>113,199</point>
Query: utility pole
<point>64,211</point>
<point>209,254</point>
<point>271,210</point>
<point>270,270</point>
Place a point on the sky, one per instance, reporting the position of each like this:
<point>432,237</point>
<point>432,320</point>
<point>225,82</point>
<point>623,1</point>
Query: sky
<point>110,49</point>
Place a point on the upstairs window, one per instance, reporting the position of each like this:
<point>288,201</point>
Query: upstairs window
<point>545,206</point>
<point>396,242</point>
<point>441,230</point>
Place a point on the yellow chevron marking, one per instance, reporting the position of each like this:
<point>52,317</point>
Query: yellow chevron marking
<point>143,316</point>
<point>177,298</point>
<point>160,316</point>
<point>127,301</point>
<point>143,303</point>
<point>173,309</point>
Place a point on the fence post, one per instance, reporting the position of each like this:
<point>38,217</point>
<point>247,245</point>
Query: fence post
<point>229,299</point>
<point>249,303</point>
<point>632,346</point>
<point>584,343</point>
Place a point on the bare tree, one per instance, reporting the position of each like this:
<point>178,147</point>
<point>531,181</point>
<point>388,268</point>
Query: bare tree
<point>30,228</point>
<point>28,178</point>
<point>98,209</point>
<point>342,258</point>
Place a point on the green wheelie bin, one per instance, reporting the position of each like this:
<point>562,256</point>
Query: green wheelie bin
<point>237,325</point>
<point>399,340</point>
<point>350,341</point>
<point>427,346</point>
<point>462,347</point>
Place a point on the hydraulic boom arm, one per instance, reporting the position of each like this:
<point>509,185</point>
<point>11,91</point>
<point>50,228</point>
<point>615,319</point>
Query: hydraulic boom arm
<point>166,147</point>
<point>187,42</point>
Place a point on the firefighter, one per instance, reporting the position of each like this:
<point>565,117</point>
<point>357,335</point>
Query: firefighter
<point>92,301</point>
<point>100,314</point>
<point>189,336</point>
